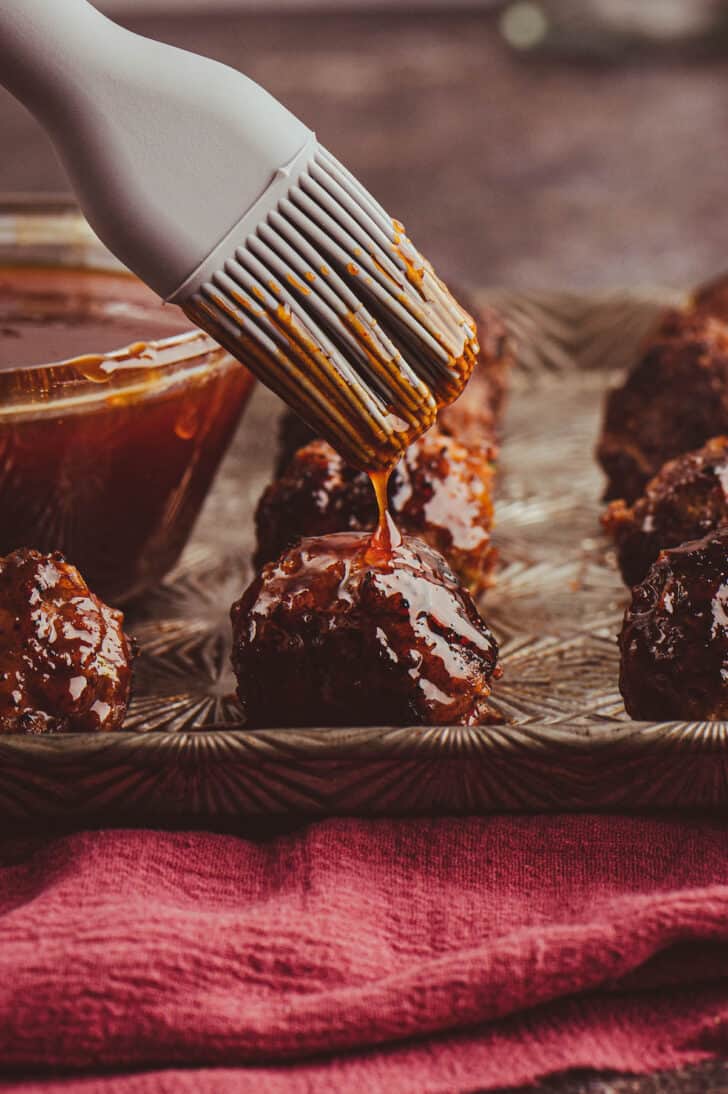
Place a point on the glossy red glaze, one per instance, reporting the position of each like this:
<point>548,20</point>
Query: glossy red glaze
<point>65,662</point>
<point>329,635</point>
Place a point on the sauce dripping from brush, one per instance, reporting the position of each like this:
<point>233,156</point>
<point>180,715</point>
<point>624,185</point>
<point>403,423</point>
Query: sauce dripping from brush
<point>386,537</point>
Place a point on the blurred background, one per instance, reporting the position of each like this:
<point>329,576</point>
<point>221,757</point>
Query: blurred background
<point>551,144</point>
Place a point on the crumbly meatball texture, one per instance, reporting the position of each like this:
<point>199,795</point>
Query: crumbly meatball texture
<point>687,499</point>
<point>440,491</point>
<point>673,401</point>
<point>674,640</point>
<point>475,418</point>
<point>327,635</point>
<point>65,662</point>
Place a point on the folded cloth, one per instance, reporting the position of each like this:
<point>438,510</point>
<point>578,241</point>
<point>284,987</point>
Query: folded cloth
<point>402,955</point>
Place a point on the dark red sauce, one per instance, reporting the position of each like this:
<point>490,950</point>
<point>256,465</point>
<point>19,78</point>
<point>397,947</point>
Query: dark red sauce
<point>106,456</point>
<point>386,535</point>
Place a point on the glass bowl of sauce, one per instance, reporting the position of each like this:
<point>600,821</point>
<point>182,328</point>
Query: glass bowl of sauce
<point>114,411</point>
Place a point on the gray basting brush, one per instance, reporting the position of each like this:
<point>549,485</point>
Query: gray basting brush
<point>224,203</point>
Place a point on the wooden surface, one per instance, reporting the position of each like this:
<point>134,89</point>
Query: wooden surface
<point>506,171</point>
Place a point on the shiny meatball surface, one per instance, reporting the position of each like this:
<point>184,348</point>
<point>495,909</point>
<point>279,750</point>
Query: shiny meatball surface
<point>687,499</point>
<point>440,491</point>
<point>674,640</point>
<point>65,662</point>
<point>673,401</point>
<point>332,634</point>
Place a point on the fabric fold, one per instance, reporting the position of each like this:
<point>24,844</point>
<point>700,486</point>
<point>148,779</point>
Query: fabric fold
<point>353,947</point>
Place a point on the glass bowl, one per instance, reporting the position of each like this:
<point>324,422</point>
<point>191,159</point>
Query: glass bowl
<point>114,411</point>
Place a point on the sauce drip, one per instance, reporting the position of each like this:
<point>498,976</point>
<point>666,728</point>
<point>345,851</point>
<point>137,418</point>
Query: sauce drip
<point>386,536</point>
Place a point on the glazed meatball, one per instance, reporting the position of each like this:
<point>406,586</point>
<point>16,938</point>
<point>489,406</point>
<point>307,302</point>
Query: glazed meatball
<point>474,418</point>
<point>686,500</point>
<point>333,634</point>
<point>65,662</point>
<point>440,491</point>
<point>673,401</point>
<point>674,640</point>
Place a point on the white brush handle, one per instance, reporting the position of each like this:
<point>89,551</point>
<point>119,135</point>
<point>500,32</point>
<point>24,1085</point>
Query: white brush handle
<point>165,150</point>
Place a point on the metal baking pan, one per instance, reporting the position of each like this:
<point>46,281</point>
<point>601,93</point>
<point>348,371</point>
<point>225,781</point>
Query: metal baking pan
<point>565,742</point>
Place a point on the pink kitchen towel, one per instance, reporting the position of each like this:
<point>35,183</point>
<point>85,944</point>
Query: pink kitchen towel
<point>393,955</point>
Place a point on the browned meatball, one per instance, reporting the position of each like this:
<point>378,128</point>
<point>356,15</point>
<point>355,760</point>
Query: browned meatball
<point>65,663</point>
<point>674,640</point>
<point>673,401</point>
<point>333,634</point>
<point>474,418</point>
<point>440,491</point>
<point>687,499</point>
<point>317,494</point>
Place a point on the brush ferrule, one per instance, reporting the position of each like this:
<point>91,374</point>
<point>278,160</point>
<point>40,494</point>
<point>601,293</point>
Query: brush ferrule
<point>283,179</point>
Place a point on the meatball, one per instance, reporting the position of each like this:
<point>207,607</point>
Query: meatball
<point>674,640</point>
<point>332,633</point>
<point>318,493</point>
<point>65,662</point>
<point>686,500</point>
<point>474,418</point>
<point>673,401</point>
<point>440,491</point>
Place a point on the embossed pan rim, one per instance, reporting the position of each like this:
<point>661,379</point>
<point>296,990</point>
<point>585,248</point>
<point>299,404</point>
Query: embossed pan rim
<point>218,774</point>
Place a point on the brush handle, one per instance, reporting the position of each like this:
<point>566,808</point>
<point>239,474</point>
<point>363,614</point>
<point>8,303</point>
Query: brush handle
<point>166,150</point>
<point>44,46</point>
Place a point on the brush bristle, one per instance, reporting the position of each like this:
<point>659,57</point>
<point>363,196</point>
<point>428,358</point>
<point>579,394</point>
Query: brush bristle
<point>330,305</point>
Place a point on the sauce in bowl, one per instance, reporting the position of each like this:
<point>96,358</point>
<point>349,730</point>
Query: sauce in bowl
<point>107,453</point>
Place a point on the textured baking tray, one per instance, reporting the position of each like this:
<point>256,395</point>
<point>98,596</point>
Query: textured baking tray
<point>565,742</point>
